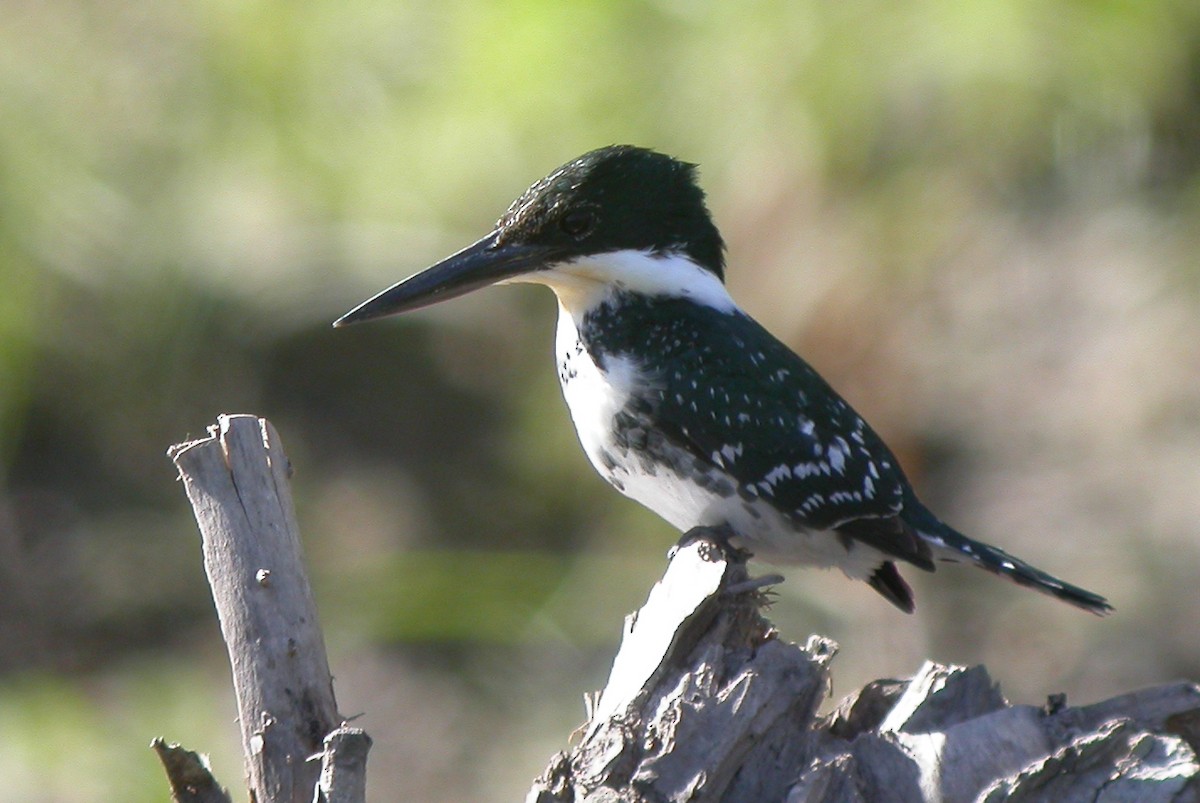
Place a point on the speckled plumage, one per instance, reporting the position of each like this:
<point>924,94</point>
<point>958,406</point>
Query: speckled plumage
<point>707,419</point>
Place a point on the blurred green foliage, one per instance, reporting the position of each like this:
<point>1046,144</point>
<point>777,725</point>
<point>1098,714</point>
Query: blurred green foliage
<point>1000,198</point>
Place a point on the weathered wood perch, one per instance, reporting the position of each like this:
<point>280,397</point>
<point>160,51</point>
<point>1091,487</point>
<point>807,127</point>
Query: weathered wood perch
<point>296,748</point>
<point>706,703</point>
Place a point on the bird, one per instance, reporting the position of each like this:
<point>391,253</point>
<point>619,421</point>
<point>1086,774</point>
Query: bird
<point>682,401</point>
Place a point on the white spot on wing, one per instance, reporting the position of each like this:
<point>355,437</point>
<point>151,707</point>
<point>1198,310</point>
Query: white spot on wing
<point>837,458</point>
<point>778,473</point>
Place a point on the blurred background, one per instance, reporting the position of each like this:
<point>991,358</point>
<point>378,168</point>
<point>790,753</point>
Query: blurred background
<point>980,220</point>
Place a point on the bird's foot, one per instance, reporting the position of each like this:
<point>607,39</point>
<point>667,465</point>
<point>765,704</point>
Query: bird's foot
<point>719,537</point>
<point>752,584</point>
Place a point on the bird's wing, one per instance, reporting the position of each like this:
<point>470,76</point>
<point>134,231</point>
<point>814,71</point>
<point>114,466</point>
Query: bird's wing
<point>740,400</point>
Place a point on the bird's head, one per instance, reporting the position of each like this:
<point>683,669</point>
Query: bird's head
<point>616,216</point>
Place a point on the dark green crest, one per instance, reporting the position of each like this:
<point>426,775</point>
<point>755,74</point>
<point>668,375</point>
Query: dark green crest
<point>616,198</point>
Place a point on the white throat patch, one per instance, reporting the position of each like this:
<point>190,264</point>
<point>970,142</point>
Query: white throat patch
<point>585,282</point>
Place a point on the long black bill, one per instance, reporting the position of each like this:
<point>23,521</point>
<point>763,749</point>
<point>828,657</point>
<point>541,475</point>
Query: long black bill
<point>478,265</point>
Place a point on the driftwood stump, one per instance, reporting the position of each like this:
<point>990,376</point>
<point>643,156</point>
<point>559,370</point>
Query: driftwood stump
<point>706,703</point>
<point>294,743</point>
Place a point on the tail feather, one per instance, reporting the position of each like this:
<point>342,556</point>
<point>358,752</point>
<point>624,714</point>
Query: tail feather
<point>888,582</point>
<point>949,544</point>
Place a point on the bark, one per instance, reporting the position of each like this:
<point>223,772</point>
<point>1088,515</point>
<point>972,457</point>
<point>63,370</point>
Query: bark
<point>706,703</point>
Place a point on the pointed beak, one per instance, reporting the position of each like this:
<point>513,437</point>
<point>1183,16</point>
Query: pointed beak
<point>478,265</point>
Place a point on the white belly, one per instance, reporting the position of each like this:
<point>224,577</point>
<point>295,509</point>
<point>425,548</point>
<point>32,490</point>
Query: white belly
<point>594,397</point>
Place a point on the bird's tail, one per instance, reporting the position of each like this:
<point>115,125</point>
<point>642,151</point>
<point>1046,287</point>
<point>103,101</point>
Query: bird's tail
<point>949,544</point>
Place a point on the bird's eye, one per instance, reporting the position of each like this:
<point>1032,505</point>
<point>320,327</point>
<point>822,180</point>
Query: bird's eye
<point>578,222</point>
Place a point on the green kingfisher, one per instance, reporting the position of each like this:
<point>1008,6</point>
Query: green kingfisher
<point>685,403</point>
